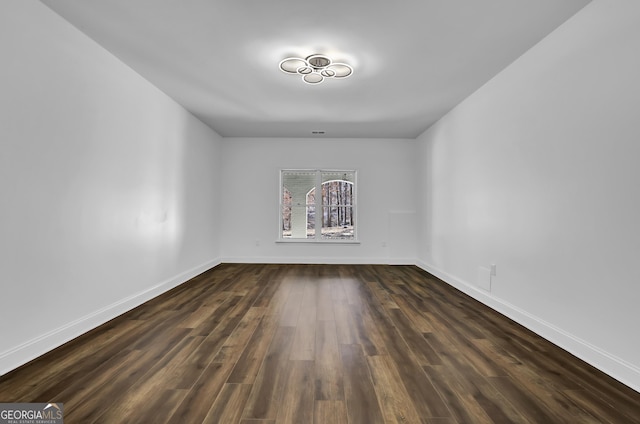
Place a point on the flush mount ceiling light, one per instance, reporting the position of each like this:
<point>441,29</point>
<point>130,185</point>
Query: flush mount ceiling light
<point>315,68</point>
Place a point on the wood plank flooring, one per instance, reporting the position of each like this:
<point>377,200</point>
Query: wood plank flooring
<point>265,344</point>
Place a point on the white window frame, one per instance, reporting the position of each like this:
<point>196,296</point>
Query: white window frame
<point>318,208</point>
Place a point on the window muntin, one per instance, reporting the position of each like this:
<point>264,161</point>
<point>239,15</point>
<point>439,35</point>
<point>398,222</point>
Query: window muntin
<point>334,210</point>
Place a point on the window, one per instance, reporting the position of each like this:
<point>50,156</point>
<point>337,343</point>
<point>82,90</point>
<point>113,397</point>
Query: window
<point>330,216</point>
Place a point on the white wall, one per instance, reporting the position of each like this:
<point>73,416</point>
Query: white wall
<point>386,184</point>
<point>538,173</point>
<point>111,192</point>
<point>108,187</point>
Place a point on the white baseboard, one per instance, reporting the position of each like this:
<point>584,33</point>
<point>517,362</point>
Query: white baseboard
<point>318,260</point>
<point>21,354</point>
<point>617,368</point>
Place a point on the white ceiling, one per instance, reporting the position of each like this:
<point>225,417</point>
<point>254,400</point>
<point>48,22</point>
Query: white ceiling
<point>413,60</point>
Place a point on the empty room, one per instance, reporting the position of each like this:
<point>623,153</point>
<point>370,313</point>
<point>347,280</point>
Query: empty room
<point>259,212</point>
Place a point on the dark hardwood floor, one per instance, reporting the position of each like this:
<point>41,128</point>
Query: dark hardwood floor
<point>258,344</point>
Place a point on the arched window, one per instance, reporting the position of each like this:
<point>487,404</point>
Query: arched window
<point>334,210</point>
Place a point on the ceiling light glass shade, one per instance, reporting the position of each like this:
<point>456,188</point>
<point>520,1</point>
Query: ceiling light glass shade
<point>315,68</point>
<point>292,65</point>
<point>342,70</point>
<point>328,73</point>
<point>313,78</point>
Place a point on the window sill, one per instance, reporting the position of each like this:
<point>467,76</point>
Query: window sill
<point>313,241</point>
